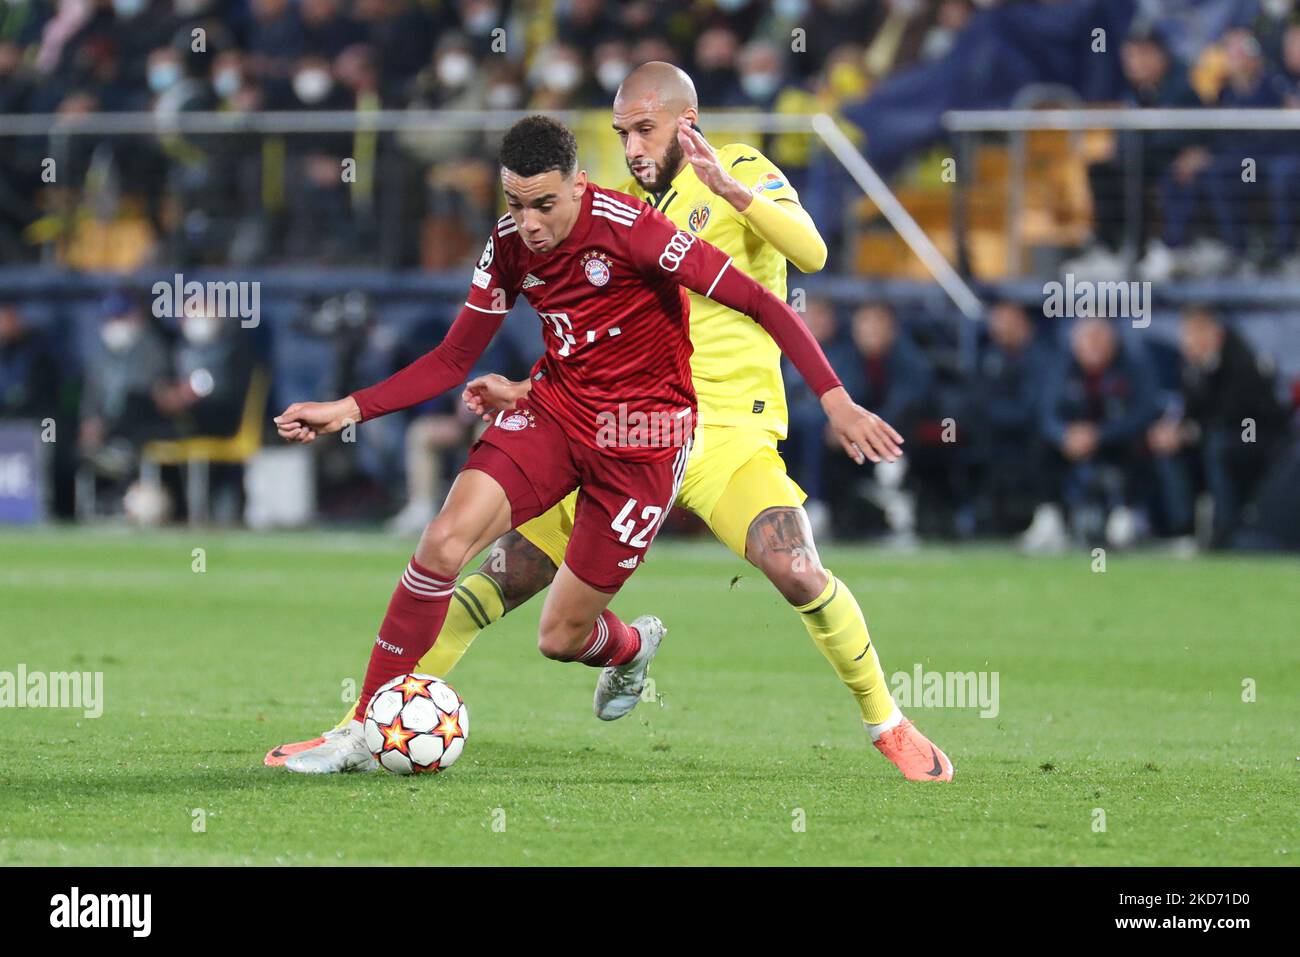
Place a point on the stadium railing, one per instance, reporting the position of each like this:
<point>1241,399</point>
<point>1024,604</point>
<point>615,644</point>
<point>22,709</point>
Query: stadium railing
<point>1017,127</point>
<point>63,130</point>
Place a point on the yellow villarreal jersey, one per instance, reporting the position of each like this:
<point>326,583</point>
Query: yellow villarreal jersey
<point>736,365</point>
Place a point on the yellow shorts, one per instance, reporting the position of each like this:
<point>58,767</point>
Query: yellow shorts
<point>734,474</point>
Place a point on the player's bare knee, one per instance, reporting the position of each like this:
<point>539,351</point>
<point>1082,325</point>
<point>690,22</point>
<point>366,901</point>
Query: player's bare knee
<point>780,544</point>
<point>442,549</point>
<point>798,583</point>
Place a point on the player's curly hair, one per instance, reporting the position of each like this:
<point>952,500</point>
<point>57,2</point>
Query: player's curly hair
<point>538,144</point>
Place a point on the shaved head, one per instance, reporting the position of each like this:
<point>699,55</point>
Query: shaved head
<point>658,86</point>
<point>646,109</point>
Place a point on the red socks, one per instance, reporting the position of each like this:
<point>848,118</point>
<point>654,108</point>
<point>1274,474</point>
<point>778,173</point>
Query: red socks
<point>415,616</point>
<point>610,643</point>
<point>416,613</point>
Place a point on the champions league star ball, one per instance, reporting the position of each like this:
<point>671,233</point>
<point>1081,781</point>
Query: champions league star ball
<point>416,724</point>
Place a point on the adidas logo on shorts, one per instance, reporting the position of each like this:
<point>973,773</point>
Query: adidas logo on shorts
<point>629,562</point>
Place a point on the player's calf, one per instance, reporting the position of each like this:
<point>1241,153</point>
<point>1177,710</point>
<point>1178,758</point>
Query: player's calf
<point>604,642</point>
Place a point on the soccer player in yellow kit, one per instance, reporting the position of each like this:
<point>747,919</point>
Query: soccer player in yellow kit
<point>735,481</point>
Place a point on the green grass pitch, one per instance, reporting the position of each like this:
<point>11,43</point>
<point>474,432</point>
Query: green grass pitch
<point>1121,738</point>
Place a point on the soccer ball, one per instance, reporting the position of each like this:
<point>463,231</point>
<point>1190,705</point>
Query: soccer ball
<point>416,724</point>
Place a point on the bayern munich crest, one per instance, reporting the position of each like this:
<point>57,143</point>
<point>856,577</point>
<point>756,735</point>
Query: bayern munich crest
<point>516,421</point>
<point>596,266</point>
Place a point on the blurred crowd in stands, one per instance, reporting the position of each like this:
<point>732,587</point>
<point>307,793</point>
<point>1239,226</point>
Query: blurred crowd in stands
<point>1059,432</point>
<point>241,199</point>
<point>1082,432</point>
<point>1065,433</point>
<point>1205,189</point>
<point>254,199</point>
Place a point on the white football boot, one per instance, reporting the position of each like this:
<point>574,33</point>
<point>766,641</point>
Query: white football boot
<point>344,750</point>
<point>619,687</point>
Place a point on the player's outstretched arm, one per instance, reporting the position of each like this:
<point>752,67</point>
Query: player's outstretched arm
<point>427,377</point>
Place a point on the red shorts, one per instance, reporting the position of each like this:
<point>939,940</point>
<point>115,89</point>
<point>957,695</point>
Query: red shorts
<point>621,505</point>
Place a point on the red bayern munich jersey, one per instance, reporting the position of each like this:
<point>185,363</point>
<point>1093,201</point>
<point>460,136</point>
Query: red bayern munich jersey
<point>614,315</point>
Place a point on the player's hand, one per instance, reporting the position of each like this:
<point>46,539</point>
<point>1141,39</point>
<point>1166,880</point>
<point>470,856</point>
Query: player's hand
<point>1165,437</point>
<point>303,421</point>
<point>488,395</point>
<point>863,435</point>
<point>709,168</point>
<point>1081,440</point>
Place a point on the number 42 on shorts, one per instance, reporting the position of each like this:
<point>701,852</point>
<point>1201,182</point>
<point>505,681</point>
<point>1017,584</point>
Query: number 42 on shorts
<point>626,526</point>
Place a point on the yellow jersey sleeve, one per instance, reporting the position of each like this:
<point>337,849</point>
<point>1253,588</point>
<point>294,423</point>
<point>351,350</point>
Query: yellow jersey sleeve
<point>751,168</point>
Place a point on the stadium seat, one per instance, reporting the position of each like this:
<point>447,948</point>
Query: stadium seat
<point>199,452</point>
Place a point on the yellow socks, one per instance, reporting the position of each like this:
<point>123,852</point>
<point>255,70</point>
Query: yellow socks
<point>837,627</point>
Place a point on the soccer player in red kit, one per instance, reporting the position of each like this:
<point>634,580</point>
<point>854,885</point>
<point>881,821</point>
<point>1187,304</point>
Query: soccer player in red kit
<point>609,410</point>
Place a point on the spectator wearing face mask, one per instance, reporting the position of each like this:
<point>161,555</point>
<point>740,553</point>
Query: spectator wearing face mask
<point>451,81</point>
<point>118,411</point>
<point>213,367</point>
<point>611,63</point>
<point>237,217</point>
<point>559,80</point>
<point>448,167</point>
<point>321,227</point>
<point>484,24</point>
<point>275,43</point>
<point>951,19</point>
<point>138,27</point>
<point>762,75</point>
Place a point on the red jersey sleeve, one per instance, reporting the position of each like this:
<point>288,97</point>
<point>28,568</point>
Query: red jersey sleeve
<point>661,249</point>
<point>492,293</point>
<point>494,287</point>
<point>442,368</point>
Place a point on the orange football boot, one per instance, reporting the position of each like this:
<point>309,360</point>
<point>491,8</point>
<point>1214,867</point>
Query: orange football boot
<point>278,755</point>
<point>914,754</point>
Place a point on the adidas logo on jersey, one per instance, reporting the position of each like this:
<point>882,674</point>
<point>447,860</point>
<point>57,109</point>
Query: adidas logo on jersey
<point>629,562</point>
<point>530,281</point>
